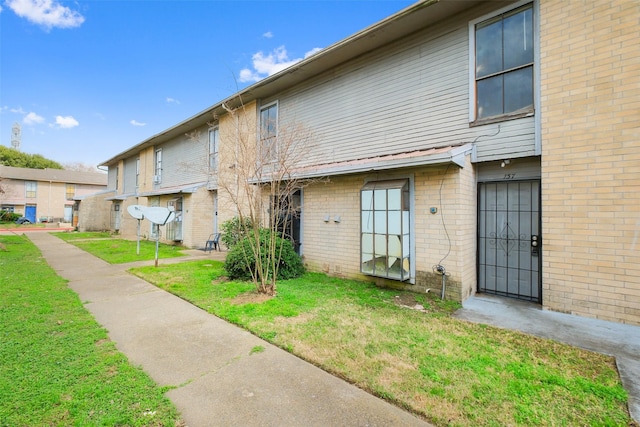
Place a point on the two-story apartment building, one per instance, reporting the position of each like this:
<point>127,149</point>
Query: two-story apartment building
<point>46,194</point>
<point>455,138</point>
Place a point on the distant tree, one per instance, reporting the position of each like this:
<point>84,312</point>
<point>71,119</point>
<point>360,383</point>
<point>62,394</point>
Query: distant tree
<point>18,159</point>
<point>79,167</point>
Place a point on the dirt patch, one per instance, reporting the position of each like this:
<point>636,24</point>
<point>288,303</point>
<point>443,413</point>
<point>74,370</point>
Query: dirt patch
<point>252,297</point>
<point>219,280</point>
<point>408,300</point>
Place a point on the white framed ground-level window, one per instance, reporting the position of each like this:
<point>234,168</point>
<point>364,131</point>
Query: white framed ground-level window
<point>385,229</point>
<point>502,63</point>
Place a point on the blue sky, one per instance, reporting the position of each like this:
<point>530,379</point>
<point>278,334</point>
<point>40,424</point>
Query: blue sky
<point>88,79</point>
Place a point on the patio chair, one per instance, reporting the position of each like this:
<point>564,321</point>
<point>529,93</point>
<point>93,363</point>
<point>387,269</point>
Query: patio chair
<point>213,243</point>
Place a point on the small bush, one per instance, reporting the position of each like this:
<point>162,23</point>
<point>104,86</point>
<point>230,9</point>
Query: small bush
<point>6,216</point>
<point>233,230</point>
<point>240,261</point>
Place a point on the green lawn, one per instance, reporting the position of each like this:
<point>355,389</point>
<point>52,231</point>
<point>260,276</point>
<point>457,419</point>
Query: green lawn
<point>119,251</point>
<point>57,365</point>
<point>451,372</point>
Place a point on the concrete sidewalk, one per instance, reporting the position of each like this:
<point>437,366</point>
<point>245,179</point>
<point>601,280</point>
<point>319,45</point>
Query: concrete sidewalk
<point>614,339</point>
<point>210,362</point>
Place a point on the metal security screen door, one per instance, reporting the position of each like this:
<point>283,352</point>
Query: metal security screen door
<point>509,251</point>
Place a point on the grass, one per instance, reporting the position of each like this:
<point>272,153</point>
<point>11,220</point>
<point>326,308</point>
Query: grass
<point>448,371</point>
<point>57,365</point>
<point>119,251</point>
<point>85,235</point>
<point>17,227</point>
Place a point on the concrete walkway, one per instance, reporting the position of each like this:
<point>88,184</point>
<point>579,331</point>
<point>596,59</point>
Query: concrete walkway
<point>614,339</point>
<point>210,362</point>
<point>219,382</point>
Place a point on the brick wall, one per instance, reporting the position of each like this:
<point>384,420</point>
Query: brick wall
<point>590,115</point>
<point>334,247</point>
<point>198,218</point>
<point>94,214</point>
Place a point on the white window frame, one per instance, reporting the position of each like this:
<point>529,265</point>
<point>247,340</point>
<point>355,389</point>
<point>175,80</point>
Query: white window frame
<point>157,170</point>
<point>214,146</point>
<point>137,172</point>
<point>472,61</point>
<point>30,187</point>
<point>261,138</point>
<point>408,233</point>
<point>69,195</point>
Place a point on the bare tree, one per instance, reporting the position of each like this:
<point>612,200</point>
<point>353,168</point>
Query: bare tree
<point>80,167</point>
<point>258,171</point>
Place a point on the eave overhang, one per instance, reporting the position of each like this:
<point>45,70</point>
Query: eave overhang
<point>450,154</point>
<point>414,18</point>
<point>182,189</point>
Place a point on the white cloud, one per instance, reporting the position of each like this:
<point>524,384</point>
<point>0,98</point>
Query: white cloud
<point>172,100</point>
<point>32,119</point>
<point>47,13</point>
<point>268,35</point>
<point>137,123</point>
<point>267,65</point>
<point>18,110</point>
<point>67,122</point>
<point>312,52</point>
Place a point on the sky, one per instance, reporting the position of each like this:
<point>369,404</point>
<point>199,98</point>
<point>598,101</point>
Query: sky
<point>87,80</point>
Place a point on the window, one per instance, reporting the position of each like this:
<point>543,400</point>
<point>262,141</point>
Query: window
<point>214,139</point>
<point>138,172</point>
<point>504,64</point>
<point>117,177</point>
<point>268,132</point>
<point>385,241</point>
<point>158,169</point>
<point>70,191</point>
<point>31,189</point>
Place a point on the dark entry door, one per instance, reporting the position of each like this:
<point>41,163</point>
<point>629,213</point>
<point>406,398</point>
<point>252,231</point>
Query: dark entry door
<point>509,241</point>
<point>289,218</point>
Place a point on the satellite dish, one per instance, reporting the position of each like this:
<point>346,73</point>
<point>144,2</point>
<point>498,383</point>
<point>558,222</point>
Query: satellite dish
<point>158,214</point>
<point>136,211</point>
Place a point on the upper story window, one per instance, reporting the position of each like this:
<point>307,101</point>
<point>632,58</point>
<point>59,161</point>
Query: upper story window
<point>214,142</point>
<point>117,177</point>
<point>385,232</point>
<point>157,171</point>
<point>31,189</point>
<point>70,191</point>
<point>504,63</point>
<point>268,132</point>
<point>138,172</point>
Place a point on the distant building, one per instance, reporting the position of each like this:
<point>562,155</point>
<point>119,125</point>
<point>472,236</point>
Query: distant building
<point>46,195</point>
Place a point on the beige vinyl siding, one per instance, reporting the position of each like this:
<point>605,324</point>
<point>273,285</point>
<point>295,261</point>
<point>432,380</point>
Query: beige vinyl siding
<point>407,96</point>
<point>113,177</point>
<point>184,160</point>
<point>129,179</point>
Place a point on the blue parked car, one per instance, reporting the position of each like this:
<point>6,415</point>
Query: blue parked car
<point>23,220</point>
